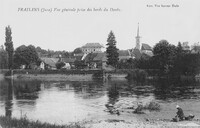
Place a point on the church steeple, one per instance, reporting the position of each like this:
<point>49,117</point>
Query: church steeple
<point>137,39</point>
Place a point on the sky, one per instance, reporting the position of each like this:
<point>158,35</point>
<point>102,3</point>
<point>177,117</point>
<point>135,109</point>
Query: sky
<point>63,28</point>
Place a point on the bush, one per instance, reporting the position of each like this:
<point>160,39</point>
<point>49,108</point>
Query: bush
<point>138,75</point>
<point>151,106</point>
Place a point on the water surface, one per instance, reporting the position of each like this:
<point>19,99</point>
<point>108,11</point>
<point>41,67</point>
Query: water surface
<point>64,102</point>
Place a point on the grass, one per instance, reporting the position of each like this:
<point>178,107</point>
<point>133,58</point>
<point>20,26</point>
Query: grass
<point>7,122</point>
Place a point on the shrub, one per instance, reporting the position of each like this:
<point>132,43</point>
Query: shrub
<point>151,106</point>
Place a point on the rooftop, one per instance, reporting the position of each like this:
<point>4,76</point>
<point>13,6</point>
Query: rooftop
<point>92,45</point>
<point>100,56</point>
<point>146,47</point>
<point>50,61</point>
<point>124,53</point>
<point>68,60</point>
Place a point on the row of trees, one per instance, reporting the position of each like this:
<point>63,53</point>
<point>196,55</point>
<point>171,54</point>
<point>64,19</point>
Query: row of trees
<point>168,59</point>
<point>51,53</point>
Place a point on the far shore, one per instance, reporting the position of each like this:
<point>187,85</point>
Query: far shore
<point>53,77</point>
<point>62,77</point>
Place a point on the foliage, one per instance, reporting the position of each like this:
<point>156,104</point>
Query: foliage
<point>170,60</point>
<point>151,106</point>
<point>9,46</point>
<point>80,64</point>
<point>145,62</point>
<point>164,56</point>
<point>112,51</point>
<point>188,65</point>
<point>3,59</point>
<point>7,122</point>
<point>138,75</point>
<point>77,51</point>
<point>59,65</point>
<point>97,75</point>
<point>25,55</point>
<point>129,64</point>
<point>51,53</point>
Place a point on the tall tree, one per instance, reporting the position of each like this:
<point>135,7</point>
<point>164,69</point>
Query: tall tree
<point>9,46</point>
<point>3,58</point>
<point>112,51</point>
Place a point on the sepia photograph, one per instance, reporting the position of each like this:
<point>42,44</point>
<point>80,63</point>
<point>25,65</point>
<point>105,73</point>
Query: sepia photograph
<point>99,63</point>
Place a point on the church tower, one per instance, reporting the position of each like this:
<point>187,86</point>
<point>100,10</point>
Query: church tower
<point>137,39</point>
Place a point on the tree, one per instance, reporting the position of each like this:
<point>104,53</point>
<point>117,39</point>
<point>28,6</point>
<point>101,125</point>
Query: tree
<point>79,64</point>
<point>112,51</point>
<point>77,51</point>
<point>178,63</point>
<point>25,55</point>
<point>66,54</point>
<point>164,56</point>
<point>3,59</point>
<point>9,46</point>
<point>179,49</point>
<point>59,65</point>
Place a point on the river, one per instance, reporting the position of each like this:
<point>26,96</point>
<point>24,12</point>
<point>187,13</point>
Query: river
<point>71,101</point>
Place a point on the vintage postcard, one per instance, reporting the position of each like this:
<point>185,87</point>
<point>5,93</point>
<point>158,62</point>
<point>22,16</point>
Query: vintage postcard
<point>99,63</point>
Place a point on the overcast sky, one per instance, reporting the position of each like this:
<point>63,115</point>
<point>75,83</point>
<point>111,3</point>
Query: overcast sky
<point>59,30</point>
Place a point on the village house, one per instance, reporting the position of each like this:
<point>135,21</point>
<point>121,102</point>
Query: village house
<point>69,62</point>
<point>48,63</point>
<point>146,49</point>
<point>92,48</point>
<point>124,55</point>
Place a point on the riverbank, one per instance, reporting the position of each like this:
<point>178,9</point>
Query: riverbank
<point>54,77</point>
<point>140,124</point>
<point>65,75</point>
<point>6,122</point>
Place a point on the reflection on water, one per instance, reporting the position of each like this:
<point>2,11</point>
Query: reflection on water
<point>176,90</point>
<point>8,102</point>
<point>63,102</point>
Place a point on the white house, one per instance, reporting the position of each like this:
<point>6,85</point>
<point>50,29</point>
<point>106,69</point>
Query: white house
<point>92,48</point>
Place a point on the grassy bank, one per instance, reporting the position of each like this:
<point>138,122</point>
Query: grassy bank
<point>46,72</point>
<point>6,122</point>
